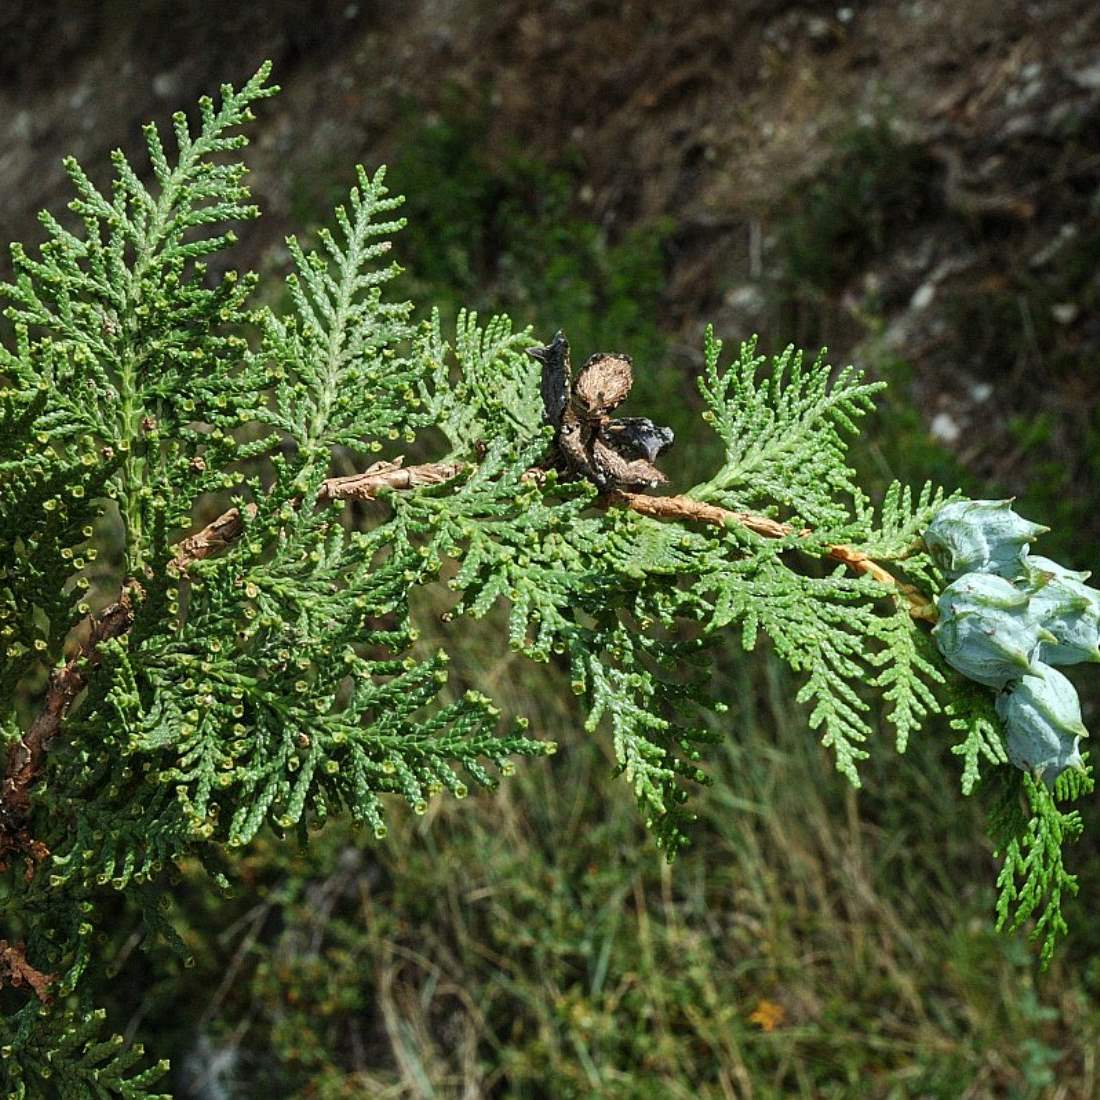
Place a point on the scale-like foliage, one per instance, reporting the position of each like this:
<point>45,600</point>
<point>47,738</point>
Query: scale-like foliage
<point>262,672</point>
<point>784,434</point>
<point>138,351</point>
<point>342,340</point>
<point>971,713</point>
<point>902,521</point>
<point>908,671</point>
<point>489,392</point>
<point>1031,832</point>
<point>785,448</point>
<point>63,1056</point>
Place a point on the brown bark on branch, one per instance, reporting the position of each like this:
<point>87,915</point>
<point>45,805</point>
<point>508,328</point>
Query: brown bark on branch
<point>16,971</point>
<point>220,532</point>
<point>388,475</point>
<point>213,537</point>
<point>685,508</point>
<point>26,756</point>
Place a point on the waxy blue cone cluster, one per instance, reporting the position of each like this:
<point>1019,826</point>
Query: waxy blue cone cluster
<point>1006,619</point>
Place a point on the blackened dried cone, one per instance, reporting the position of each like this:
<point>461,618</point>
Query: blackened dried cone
<point>613,470</point>
<point>573,441</point>
<point>556,377</point>
<point>637,437</point>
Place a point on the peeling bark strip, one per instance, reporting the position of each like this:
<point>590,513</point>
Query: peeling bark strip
<point>212,538</point>
<point>16,971</point>
<point>682,508</point>
<point>27,756</point>
<point>388,475</point>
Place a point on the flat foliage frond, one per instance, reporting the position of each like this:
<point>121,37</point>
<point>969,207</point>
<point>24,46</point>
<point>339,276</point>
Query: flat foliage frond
<point>343,340</point>
<point>971,713</point>
<point>64,1056</point>
<point>1030,831</point>
<point>784,433</point>
<point>483,388</point>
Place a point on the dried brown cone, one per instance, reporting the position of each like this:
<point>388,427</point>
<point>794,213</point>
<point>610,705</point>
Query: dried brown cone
<point>602,385</point>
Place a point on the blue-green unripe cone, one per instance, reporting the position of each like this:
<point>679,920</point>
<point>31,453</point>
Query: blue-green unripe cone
<point>1042,717</point>
<point>987,629</point>
<point>1040,569</point>
<point>1068,608</point>
<point>980,536</point>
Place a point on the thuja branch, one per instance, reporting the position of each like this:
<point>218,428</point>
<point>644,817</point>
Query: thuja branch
<point>27,756</point>
<point>289,687</point>
<point>395,476</point>
<point>687,508</point>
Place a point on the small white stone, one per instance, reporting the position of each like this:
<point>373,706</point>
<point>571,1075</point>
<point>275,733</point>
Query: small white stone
<point>164,85</point>
<point>1088,77</point>
<point>23,125</point>
<point>1065,313</point>
<point>945,428</point>
<point>922,297</point>
<point>745,297</point>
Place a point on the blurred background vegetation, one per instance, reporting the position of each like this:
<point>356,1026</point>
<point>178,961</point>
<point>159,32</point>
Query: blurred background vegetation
<point>915,183</point>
